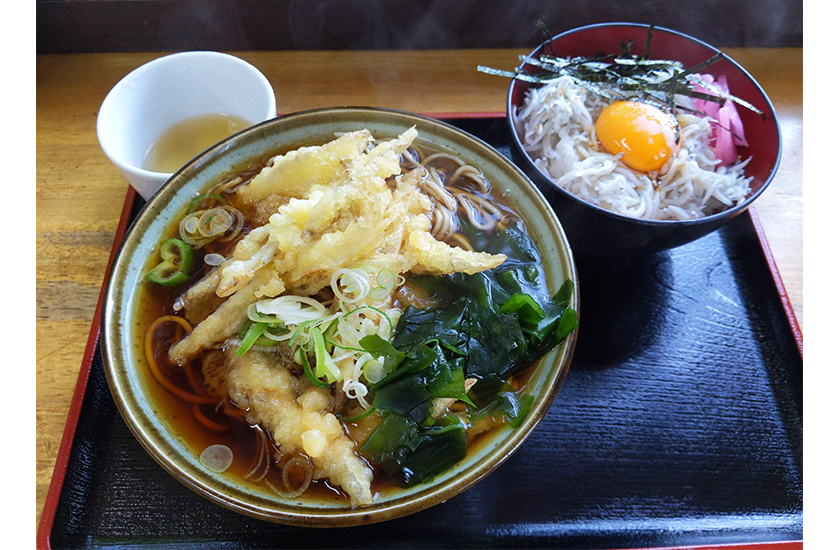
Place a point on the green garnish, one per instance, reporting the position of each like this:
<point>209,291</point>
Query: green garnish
<point>251,335</point>
<point>358,417</point>
<point>380,348</point>
<point>176,266</point>
<point>410,453</point>
<point>486,327</point>
<point>307,370</point>
<point>324,364</point>
<point>635,77</point>
<point>513,405</point>
<point>483,329</point>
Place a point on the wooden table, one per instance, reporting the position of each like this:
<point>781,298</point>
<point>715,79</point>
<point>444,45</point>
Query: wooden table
<point>80,194</point>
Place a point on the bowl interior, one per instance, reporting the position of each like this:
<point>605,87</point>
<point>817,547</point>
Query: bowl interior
<point>762,134</point>
<point>122,341</point>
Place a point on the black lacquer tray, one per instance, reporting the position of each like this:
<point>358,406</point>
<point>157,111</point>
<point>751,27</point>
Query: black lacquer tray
<point>680,423</point>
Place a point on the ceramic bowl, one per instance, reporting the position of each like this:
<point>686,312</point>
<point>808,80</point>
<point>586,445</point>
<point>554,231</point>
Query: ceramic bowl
<point>593,230</point>
<point>126,369</point>
<point>167,90</point>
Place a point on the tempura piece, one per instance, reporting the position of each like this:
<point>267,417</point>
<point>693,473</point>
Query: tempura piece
<point>250,255</point>
<point>357,217</point>
<point>318,205</point>
<point>223,323</point>
<point>296,415</point>
<point>435,257</point>
<point>200,300</point>
<point>294,173</point>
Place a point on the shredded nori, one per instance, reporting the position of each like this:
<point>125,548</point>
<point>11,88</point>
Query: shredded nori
<point>623,76</point>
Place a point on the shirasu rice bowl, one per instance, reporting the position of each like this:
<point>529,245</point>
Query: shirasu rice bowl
<point>556,127</point>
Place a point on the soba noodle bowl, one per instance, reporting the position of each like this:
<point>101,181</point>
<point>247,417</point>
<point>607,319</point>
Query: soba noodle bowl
<point>321,372</point>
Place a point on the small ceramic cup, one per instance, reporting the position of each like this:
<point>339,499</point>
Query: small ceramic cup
<point>153,97</point>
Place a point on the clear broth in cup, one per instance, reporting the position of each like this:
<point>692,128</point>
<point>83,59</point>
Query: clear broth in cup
<point>185,139</point>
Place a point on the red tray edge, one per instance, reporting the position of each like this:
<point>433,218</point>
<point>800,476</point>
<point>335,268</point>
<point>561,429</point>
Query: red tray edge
<point>777,278</point>
<point>57,481</point>
<point>56,484</point>
<point>785,545</point>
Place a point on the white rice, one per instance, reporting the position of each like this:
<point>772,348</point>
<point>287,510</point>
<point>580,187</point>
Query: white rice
<point>556,127</point>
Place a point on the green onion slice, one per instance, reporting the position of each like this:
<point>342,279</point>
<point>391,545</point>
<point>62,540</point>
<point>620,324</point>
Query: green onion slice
<point>324,364</point>
<point>359,416</point>
<point>256,330</point>
<point>307,370</point>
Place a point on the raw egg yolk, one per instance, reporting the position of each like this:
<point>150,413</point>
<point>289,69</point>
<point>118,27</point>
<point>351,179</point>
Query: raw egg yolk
<point>642,132</point>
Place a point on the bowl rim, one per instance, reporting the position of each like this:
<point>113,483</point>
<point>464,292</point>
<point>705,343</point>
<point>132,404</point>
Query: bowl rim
<point>710,219</point>
<point>430,494</point>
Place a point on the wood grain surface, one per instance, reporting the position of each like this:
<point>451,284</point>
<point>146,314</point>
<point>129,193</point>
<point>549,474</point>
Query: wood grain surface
<point>80,194</point>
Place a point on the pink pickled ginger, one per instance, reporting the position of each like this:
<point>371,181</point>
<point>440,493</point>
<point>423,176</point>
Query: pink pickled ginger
<point>728,130</point>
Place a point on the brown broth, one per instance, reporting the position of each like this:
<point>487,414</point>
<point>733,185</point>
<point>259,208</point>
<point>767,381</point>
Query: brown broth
<point>241,437</point>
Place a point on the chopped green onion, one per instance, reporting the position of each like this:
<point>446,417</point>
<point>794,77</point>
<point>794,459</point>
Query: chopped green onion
<point>299,331</point>
<point>361,310</point>
<point>256,330</point>
<point>324,364</point>
<point>259,317</point>
<point>307,370</point>
<point>277,333</point>
<point>350,285</point>
<point>292,309</point>
<point>358,416</point>
<point>374,371</point>
<point>386,281</point>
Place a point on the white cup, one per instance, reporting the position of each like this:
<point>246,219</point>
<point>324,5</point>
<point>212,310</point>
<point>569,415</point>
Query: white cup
<point>153,97</point>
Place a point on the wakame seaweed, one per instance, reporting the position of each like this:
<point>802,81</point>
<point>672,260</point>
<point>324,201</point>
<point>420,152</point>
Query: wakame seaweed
<point>487,327</point>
